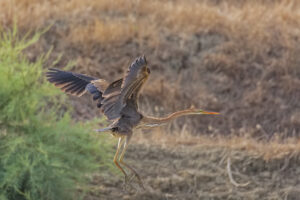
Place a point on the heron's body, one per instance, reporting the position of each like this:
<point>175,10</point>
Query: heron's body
<point>118,101</point>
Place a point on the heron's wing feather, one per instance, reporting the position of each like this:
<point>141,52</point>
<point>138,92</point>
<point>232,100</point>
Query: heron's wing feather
<point>113,87</point>
<point>69,82</point>
<point>100,84</point>
<point>77,84</point>
<point>134,78</point>
<point>134,97</point>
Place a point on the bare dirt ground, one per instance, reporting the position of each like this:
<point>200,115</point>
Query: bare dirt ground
<point>200,172</point>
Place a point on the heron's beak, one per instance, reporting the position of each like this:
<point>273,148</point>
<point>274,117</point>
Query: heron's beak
<point>207,113</point>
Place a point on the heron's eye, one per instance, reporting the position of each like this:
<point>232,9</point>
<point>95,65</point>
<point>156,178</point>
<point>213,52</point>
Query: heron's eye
<point>148,70</point>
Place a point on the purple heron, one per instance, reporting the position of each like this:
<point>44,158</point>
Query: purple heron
<point>118,101</point>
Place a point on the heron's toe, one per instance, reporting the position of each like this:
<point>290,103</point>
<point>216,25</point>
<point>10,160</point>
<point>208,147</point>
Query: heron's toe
<point>140,182</point>
<point>127,183</point>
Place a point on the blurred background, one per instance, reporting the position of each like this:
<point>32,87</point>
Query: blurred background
<point>239,58</point>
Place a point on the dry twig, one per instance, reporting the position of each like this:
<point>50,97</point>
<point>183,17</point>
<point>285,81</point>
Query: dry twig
<point>232,181</point>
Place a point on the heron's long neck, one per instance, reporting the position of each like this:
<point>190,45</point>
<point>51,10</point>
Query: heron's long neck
<point>158,121</point>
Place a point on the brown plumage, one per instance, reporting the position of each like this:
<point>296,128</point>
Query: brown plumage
<point>118,101</point>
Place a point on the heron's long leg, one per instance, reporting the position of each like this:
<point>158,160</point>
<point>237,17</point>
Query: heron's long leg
<point>126,165</point>
<point>120,142</point>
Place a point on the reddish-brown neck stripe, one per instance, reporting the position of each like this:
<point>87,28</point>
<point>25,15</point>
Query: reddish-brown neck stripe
<point>155,121</point>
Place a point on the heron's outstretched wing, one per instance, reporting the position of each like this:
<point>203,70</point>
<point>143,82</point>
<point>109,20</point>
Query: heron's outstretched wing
<point>69,82</point>
<point>134,78</point>
<point>77,84</point>
<point>141,77</point>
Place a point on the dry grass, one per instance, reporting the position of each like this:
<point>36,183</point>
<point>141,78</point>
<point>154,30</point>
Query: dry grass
<point>109,20</point>
<point>108,31</point>
<point>187,167</point>
<point>112,31</point>
<point>268,150</point>
<point>252,30</point>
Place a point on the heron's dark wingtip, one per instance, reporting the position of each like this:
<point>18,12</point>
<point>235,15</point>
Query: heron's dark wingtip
<point>141,60</point>
<point>51,72</point>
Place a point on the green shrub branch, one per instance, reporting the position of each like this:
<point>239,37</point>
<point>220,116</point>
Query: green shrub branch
<point>43,153</point>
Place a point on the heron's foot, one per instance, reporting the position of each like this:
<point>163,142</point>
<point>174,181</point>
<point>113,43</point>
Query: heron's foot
<point>126,180</point>
<point>127,183</point>
<point>137,176</point>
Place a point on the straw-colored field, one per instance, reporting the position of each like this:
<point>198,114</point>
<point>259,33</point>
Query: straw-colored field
<point>198,170</point>
<point>239,58</point>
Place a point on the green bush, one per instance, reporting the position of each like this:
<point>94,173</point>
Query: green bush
<point>43,154</point>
